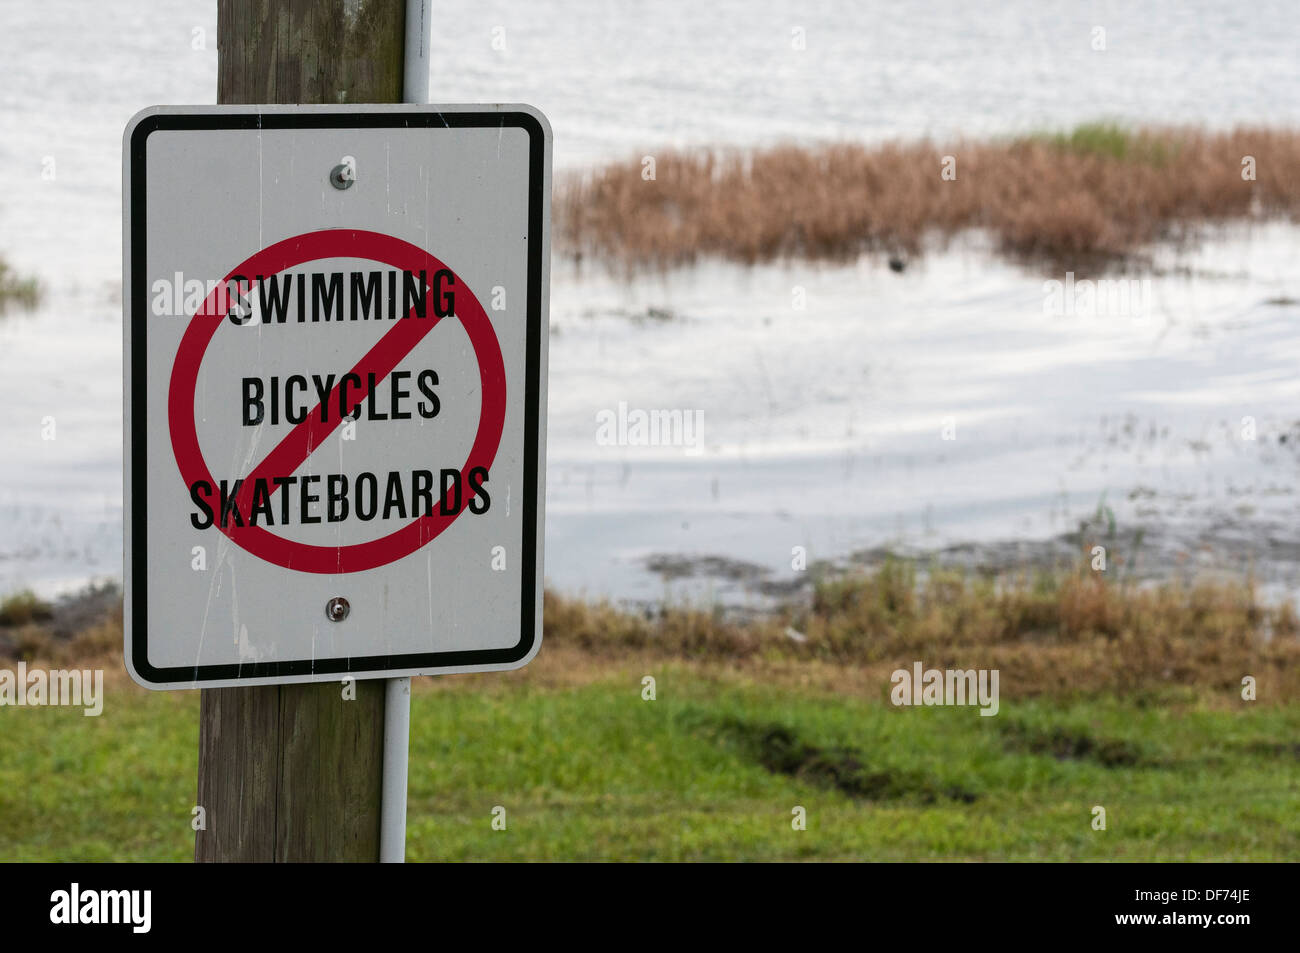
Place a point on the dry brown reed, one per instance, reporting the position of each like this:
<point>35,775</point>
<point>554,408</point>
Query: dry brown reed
<point>1092,196</point>
<point>1054,635</point>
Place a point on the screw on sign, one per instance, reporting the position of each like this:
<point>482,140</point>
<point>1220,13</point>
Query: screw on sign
<point>336,610</point>
<point>336,419</point>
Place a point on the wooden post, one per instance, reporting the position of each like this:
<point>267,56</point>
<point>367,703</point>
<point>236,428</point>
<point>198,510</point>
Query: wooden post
<point>293,772</point>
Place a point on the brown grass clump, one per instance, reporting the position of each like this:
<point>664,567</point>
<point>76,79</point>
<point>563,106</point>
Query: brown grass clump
<point>1056,635</point>
<point>603,630</point>
<point>23,608</point>
<point>1088,197</point>
<point>98,644</point>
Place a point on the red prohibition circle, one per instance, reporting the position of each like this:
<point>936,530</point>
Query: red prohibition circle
<point>308,435</point>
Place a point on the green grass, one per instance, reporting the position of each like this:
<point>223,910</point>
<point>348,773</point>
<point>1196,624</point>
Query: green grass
<point>119,786</point>
<point>597,773</point>
<point>1109,140</point>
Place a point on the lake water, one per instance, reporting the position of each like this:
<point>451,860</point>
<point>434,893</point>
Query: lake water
<point>825,394</point>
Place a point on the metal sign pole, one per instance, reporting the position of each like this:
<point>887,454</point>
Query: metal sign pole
<point>392,807</point>
<point>397,706</point>
<point>415,68</point>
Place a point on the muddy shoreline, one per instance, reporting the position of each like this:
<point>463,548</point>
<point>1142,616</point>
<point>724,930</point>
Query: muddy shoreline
<point>1266,554</point>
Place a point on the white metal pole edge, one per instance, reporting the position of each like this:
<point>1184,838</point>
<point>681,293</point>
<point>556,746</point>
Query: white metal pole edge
<point>397,737</point>
<point>415,67</point>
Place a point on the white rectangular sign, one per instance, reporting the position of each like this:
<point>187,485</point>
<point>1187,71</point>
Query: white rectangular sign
<point>335,338</point>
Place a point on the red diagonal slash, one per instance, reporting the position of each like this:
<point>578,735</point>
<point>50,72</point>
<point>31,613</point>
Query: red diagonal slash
<point>305,437</point>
